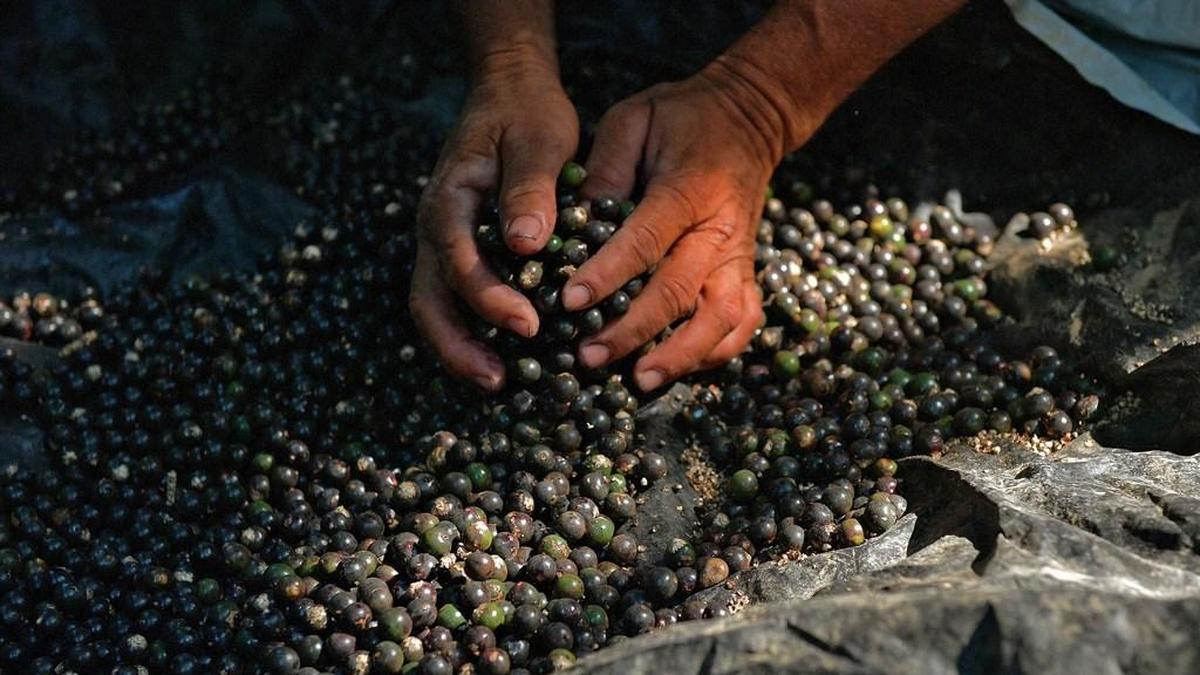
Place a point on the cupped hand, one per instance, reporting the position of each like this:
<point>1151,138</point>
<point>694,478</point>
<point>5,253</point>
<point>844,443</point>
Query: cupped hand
<point>516,131</point>
<point>705,147</point>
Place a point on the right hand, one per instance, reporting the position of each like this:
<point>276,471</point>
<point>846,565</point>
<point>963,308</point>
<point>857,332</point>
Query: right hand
<point>516,130</point>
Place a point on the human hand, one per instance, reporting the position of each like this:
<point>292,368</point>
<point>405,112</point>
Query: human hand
<point>516,131</point>
<point>706,147</point>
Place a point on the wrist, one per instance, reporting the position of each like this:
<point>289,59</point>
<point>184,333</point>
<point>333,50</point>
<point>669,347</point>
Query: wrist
<point>760,104</point>
<point>509,37</point>
<point>522,58</point>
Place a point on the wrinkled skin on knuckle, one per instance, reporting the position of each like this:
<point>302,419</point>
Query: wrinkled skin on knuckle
<point>647,244</point>
<point>627,109</point>
<point>687,193</point>
<point>723,231</point>
<point>428,210</point>
<point>678,367</point>
<point>723,354</point>
<point>757,315</point>
<point>619,111</point>
<point>602,182</point>
<point>678,296</point>
<point>452,250</point>
<point>641,335</point>
<point>728,312</point>
<point>524,189</point>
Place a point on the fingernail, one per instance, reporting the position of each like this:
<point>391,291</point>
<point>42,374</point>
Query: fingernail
<point>594,355</point>
<point>650,379</point>
<point>520,326</point>
<point>524,227</point>
<point>488,382</point>
<point>576,296</point>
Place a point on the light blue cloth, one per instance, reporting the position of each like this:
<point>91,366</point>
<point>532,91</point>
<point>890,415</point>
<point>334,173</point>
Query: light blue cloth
<point>1146,53</point>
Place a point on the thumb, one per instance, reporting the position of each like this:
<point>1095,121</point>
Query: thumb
<point>530,164</point>
<point>617,150</point>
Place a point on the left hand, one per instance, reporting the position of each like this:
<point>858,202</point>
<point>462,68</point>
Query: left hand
<point>706,147</point>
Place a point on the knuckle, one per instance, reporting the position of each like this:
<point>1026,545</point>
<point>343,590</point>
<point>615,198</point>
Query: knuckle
<point>677,296</point>
<point>756,315</point>
<point>674,367</point>
<point>680,197</point>
<point>728,313</point>
<point>679,363</point>
<point>556,143</point>
<point>430,197</point>
<point>640,335</point>
<point>722,230</point>
<point>456,246</point>
<point>546,144</point>
<point>603,181</point>
<point>455,353</point>
<point>430,210</point>
<point>618,112</point>
<point>458,260</point>
<point>473,150</point>
<point>725,352</point>
<point>648,245</point>
<point>525,188</point>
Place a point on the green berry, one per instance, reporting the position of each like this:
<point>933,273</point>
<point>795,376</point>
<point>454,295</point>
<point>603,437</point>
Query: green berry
<point>617,483</point>
<point>743,485</point>
<point>263,462</point>
<point>490,614</point>
<point>556,547</point>
<point>569,586</point>
<point>480,475</point>
<point>395,622</point>
<point>601,530</point>
<point>787,363</point>
<point>573,174</point>
<point>451,617</point>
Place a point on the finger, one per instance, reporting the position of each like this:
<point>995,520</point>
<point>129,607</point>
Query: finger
<point>530,164</point>
<point>617,149</point>
<point>718,313</point>
<point>450,212</point>
<point>735,343</point>
<point>671,293</point>
<point>433,311</point>
<point>637,246</point>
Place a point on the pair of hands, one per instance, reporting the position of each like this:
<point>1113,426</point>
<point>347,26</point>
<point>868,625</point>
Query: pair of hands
<point>705,147</point>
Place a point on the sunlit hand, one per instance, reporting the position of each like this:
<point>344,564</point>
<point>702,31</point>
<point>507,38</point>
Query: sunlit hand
<point>516,131</point>
<point>705,148</point>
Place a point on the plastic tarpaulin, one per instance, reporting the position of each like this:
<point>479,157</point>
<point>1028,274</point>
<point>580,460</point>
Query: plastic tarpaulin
<point>1146,53</point>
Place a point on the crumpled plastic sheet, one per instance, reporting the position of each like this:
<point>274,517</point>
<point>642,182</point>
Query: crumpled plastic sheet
<point>220,220</point>
<point>1143,52</point>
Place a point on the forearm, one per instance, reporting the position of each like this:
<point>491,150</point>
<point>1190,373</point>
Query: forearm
<point>806,56</point>
<point>500,33</point>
